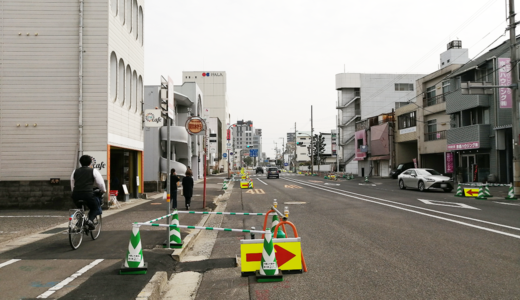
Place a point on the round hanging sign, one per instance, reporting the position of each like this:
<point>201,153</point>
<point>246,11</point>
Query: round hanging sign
<point>195,125</point>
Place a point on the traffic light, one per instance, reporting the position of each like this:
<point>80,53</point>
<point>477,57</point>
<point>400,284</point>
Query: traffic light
<point>299,143</point>
<point>249,146</point>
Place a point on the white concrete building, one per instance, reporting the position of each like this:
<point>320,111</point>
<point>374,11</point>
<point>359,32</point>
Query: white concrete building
<point>185,149</point>
<point>361,96</point>
<point>58,103</point>
<point>214,87</point>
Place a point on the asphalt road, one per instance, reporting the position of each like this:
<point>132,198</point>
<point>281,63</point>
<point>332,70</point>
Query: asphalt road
<point>374,241</point>
<point>359,241</point>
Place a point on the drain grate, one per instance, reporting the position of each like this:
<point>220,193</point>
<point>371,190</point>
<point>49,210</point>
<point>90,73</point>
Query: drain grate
<point>206,265</point>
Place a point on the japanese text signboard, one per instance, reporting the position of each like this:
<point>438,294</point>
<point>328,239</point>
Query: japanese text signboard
<point>504,79</point>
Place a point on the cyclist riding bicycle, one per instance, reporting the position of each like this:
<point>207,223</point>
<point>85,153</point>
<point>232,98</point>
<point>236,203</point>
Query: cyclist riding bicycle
<point>82,183</point>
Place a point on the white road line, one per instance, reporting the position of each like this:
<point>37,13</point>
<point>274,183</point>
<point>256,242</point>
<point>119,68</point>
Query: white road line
<point>421,213</point>
<point>262,181</point>
<point>12,261</point>
<point>66,281</point>
<point>449,204</point>
<point>506,203</point>
<point>427,209</point>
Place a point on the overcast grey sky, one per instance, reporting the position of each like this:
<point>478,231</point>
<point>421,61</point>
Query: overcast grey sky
<point>282,56</point>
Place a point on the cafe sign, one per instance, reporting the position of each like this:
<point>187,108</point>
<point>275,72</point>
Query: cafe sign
<point>195,125</point>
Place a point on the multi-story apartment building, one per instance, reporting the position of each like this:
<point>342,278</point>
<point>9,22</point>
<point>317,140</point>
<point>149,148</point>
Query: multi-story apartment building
<point>58,103</point>
<point>246,140</point>
<point>374,145</point>
<point>480,135</point>
<point>361,96</point>
<point>185,149</point>
<point>303,141</point>
<point>422,125</point>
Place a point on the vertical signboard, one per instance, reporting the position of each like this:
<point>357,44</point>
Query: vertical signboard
<point>449,162</point>
<point>171,108</point>
<point>504,78</point>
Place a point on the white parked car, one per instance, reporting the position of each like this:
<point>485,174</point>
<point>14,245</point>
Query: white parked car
<point>424,179</point>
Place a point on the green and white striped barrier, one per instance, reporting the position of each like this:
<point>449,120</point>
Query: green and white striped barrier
<point>200,227</point>
<point>488,184</point>
<point>209,213</point>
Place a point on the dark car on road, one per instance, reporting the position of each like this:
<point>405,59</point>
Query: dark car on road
<point>401,168</point>
<point>273,172</point>
<point>259,170</point>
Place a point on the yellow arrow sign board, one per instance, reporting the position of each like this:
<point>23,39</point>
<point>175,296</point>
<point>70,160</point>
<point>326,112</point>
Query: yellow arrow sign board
<point>471,192</point>
<point>288,253</point>
<point>244,184</point>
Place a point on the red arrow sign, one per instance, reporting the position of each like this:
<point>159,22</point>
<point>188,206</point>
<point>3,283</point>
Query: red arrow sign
<point>471,192</point>
<point>282,256</point>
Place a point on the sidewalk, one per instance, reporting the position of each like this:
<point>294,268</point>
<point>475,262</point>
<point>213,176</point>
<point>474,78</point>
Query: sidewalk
<point>21,227</point>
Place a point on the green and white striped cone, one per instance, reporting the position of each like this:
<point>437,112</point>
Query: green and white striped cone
<point>487,193</point>
<point>481,195</point>
<point>134,261</point>
<point>250,184</point>
<point>269,271</point>
<point>175,233</point>
<point>460,192</point>
<point>224,185</point>
<point>511,194</point>
<point>280,234</point>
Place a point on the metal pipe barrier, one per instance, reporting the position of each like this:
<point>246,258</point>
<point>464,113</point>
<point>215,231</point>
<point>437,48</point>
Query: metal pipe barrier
<point>200,227</point>
<point>208,213</point>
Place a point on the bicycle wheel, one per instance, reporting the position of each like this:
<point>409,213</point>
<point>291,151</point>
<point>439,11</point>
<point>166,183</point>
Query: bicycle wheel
<point>95,233</point>
<point>76,230</point>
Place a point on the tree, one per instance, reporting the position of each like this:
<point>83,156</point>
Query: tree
<point>248,161</point>
<point>318,142</point>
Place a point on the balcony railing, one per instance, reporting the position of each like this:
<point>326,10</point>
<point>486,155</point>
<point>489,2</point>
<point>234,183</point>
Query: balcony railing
<point>434,100</point>
<point>437,135</point>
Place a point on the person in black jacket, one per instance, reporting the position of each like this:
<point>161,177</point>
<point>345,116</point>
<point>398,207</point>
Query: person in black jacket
<point>174,181</point>
<point>82,183</point>
<point>187,188</point>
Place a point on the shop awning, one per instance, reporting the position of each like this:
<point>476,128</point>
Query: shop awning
<point>381,157</point>
<point>502,127</point>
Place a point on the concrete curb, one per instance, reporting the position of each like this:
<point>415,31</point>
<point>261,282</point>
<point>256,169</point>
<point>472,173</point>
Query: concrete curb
<point>179,253</point>
<point>152,291</point>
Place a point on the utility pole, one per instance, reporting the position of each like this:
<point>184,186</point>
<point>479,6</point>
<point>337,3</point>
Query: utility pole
<point>312,145</point>
<point>515,123</point>
<point>295,146</point>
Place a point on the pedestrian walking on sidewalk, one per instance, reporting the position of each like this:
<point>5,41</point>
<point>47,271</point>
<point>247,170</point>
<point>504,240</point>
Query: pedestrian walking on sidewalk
<point>187,188</point>
<point>174,182</point>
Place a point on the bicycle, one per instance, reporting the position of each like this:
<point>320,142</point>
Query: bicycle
<point>78,226</point>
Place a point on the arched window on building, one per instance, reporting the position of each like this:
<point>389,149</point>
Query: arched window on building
<point>141,19</point>
<point>134,91</point>
<point>140,95</point>
<point>128,87</point>
<point>121,10</point>
<point>113,76</point>
<point>113,7</point>
<point>128,14</point>
<point>134,19</point>
<point>121,82</point>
